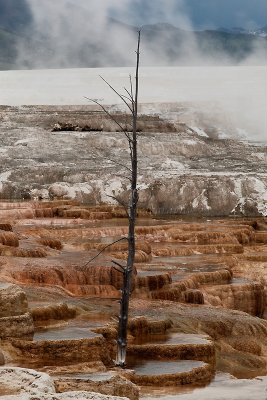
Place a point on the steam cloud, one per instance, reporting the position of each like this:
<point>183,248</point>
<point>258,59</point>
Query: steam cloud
<point>71,33</point>
<point>68,33</point>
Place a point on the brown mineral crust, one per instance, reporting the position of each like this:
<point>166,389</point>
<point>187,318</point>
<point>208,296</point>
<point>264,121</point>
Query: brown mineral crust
<point>153,282</point>
<point>8,251</point>
<point>94,280</point>
<point>119,246</point>
<point>51,242</point>
<point>13,301</point>
<point>245,344</point>
<point>103,291</point>
<point>9,239</point>
<point>69,351</point>
<point>225,327</point>
<point>186,250</point>
<point>54,203</point>
<point>44,213</point>
<point>201,352</point>
<point>203,237</point>
<point>175,291</point>
<point>53,312</point>
<point>247,297</point>
<point>19,326</point>
<point>85,214</point>
<point>20,213</point>
<point>115,386</point>
<point>4,205</point>
<point>139,258</point>
<point>145,326</point>
<point>196,375</point>
<point>257,257</point>
<point>88,367</point>
<point>2,361</point>
<point>261,237</point>
<point>6,227</point>
<point>193,296</point>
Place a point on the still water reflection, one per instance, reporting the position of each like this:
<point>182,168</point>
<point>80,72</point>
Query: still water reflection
<point>223,387</point>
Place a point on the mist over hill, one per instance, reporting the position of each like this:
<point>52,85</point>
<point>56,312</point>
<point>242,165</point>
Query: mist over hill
<point>32,36</point>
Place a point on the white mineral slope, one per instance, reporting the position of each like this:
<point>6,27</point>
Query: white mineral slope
<point>179,172</point>
<point>239,92</point>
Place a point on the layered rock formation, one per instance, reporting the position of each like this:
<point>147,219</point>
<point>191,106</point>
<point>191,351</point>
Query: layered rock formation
<point>180,171</point>
<point>15,319</point>
<point>191,278</point>
<point>38,386</point>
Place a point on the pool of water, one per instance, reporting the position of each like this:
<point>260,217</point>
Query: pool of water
<point>174,338</point>
<point>73,330</point>
<point>153,368</point>
<point>223,387</point>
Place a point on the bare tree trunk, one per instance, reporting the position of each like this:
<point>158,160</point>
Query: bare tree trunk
<point>131,101</point>
<point>127,273</point>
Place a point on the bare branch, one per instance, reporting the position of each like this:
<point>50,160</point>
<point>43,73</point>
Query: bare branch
<point>118,265</point>
<point>106,247</point>
<point>126,97</point>
<point>123,176</point>
<point>109,114</point>
<point>117,93</point>
<point>129,94</point>
<point>131,87</point>
<point>120,164</point>
<point>121,203</point>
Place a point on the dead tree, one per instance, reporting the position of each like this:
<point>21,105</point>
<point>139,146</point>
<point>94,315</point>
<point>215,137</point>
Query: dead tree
<point>130,99</point>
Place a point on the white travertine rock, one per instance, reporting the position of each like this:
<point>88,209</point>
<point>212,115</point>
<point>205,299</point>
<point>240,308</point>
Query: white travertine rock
<point>26,384</point>
<point>66,396</point>
<point>21,380</point>
<point>13,300</point>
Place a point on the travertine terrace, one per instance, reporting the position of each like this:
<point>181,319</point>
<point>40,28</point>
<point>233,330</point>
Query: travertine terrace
<point>198,302</point>
<point>187,161</point>
<point>197,308</point>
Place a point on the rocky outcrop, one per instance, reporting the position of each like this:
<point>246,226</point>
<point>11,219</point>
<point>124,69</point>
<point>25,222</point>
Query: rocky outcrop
<point>174,351</point>
<point>67,351</point>
<point>114,386</point>
<point>60,311</point>
<point>20,326</point>
<point>34,383</point>
<point>182,290</point>
<point>15,319</point>
<point>240,339</point>
<point>26,384</point>
<point>92,280</point>
<point>13,300</point>
<point>247,297</point>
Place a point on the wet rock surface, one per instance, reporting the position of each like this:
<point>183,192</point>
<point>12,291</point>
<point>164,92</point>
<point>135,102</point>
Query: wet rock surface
<point>198,301</point>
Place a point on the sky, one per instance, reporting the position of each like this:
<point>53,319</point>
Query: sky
<point>201,13</point>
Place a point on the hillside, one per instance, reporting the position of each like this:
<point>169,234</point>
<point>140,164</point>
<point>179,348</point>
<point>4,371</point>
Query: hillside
<point>25,45</point>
